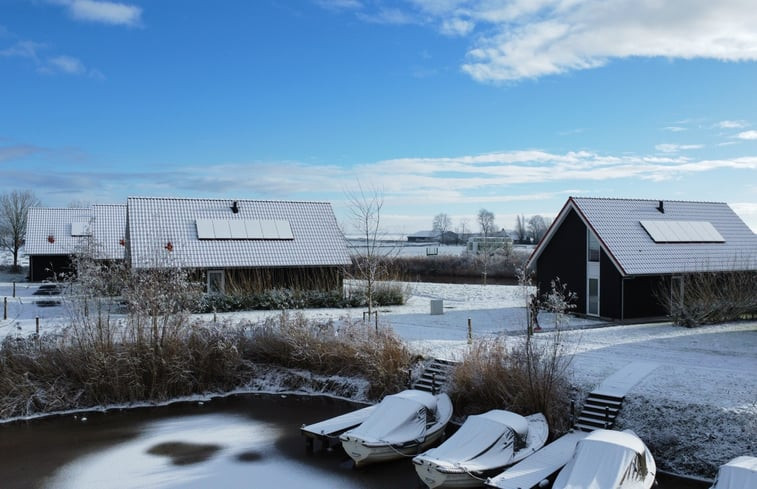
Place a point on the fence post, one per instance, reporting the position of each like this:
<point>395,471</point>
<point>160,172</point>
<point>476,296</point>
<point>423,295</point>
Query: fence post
<point>37,322</point>
<point>470,331</point>
<point>5,308</point>
<point>14,289</point>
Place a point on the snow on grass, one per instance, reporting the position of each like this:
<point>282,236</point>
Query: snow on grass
<point>696,409</point>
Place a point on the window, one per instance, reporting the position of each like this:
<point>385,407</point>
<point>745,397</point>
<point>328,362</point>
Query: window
<point>215,282</point>
<point>593,299</point>
<point>592,247</point>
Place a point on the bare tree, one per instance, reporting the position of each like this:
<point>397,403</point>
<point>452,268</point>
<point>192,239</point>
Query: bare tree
<point>463,228</point>
<point>441,225</point>
<point>486,222</point>
<point>370,264</point>
<point>521,228</point>
<point>537,227</point>
<point>14,210</point>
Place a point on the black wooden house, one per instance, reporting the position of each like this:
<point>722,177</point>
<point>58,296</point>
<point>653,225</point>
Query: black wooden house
<point>620,256</point>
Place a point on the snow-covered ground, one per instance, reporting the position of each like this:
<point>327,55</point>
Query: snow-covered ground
<point>712,368</point>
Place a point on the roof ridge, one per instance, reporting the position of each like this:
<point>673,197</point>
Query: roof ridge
<point>218,199</point>
<point>631,199</point>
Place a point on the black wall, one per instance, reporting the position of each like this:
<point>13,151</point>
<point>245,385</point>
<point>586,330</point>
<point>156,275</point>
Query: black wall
<point>565,257</point>
<point>641,297</point>
<point>610,292</point>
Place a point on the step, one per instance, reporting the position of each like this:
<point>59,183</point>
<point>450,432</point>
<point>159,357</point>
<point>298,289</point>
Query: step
<point>612,411</point>
<point>602,403</point>
<point>594,424</point>
<point>584,427</point>
<point>598,417</point>
<point>604,397</point>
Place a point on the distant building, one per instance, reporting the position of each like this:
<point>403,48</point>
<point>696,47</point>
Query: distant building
<point>488,244</point>
<point>448,237</point>
<point>53,235</point>
<point>617,255</point>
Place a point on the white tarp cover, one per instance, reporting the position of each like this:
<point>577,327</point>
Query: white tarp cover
<point>397,419</point>
<point>601,461</point>
<point>739,473</point>
<point>483,442</point>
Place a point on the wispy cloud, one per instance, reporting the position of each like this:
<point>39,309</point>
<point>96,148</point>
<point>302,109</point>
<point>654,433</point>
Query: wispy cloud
<point>49,65</point>
<point>339,4</point>
<point>675,128</point>
<point>732,124</point>
<point>101,11</point>
<point>391,16</point>
<point>14,152</point>
<point>747,135</point>
<point>676,148</point>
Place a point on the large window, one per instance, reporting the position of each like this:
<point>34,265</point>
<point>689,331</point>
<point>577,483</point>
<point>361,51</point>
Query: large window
<point>592,247</point>
<point>215,282</point>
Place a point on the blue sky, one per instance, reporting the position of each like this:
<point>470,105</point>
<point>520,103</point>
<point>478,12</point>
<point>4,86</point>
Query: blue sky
<point>444,106</point>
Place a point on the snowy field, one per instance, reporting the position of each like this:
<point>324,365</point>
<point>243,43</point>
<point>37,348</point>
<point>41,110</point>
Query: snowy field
<point>714,365</point>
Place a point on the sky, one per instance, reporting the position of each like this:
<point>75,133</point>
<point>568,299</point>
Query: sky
<point>439,106</point>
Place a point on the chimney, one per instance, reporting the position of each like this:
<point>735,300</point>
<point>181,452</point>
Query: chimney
<point>235,207</point>
<point>661,207</point>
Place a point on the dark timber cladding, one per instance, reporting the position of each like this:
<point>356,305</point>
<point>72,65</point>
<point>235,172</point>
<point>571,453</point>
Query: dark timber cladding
<point>558,259</point>
<point>48,267</point>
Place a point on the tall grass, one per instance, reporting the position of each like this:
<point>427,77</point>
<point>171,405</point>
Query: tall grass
<point>80,368</point>
<point>527,377</point>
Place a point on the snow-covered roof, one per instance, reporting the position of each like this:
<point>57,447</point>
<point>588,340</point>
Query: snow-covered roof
<point>56,231</point>
<point>109,230</point>
<point>650,237</point>
<point>218,233</point>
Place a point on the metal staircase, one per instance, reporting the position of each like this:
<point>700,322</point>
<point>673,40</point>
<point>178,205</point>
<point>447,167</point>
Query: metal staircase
<point>435,376</point>
<point>599,411</point>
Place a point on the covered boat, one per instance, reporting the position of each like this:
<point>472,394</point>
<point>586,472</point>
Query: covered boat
<point>739,473</point>
<point>402,424</point>
<point>608,459</point>
<point>484,445</point>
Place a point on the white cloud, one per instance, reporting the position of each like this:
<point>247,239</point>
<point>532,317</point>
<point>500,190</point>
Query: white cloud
<point>535,38</point>
<point>340,4</point>
<point>732,124</point>
<point>676,148</point>
<point>103,11</point>
<point>747,135</point>
<point>457,27</point>
<point>392,16</point>
<point>675,129</point>
<point>61,64</point>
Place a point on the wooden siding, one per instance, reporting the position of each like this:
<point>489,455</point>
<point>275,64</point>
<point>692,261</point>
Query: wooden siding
<point>565,257</point>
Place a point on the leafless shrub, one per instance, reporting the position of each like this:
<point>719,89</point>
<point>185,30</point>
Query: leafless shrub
<point>707,298</point>
<point>351,349</point>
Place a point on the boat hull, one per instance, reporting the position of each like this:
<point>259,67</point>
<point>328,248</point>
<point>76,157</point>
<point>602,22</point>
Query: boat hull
<point>433,476</point>
<point>364,453</point>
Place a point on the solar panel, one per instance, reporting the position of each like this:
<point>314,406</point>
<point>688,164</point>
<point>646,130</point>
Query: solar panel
<point>238,230</point>
<point>253,229</point>
<point>269,230</point>
<point>80,228</point>
<point>205,229</point>
<point>243,229</point>
<point>221,228</point>
<point>682,232</point>
<point>284,230</point>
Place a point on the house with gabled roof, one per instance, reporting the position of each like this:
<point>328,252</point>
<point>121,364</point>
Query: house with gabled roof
<point>248,244</point>
<point>620,256</point>
<point>52,236</point>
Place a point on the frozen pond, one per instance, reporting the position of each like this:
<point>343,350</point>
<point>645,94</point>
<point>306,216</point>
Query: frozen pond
<point>235,442</point>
